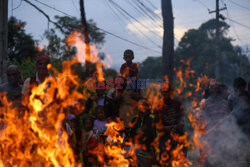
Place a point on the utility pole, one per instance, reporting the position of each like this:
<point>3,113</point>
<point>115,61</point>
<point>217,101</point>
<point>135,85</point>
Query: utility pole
<point>217,39</point>
<point>168,40</point>
<point>86,37</point>
<point>3,39</point>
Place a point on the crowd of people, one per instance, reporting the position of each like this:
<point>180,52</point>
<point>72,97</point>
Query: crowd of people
<point>142,124</point>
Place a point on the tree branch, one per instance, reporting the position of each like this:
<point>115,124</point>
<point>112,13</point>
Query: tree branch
<point>47,16</point>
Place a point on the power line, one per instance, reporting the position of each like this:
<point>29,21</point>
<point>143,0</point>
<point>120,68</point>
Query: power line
<point>124,39</point>
<point>149,10</point>
<point>237,4</point>
<point>234,30</point>
<point>148,38</point>
<point>243,25</point>
<point>140,10</point>
<point>115,14</point>
<point>74,5</point>
<point>53,8</point>
<point>152,5</point>
<point>120,19</point>
<point>145,10</point>
<point>73,16</point>
<point>132,16</point>
<point>203,4</point>
<point>18,5</point>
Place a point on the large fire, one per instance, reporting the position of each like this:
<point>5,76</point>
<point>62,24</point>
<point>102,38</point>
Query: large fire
<point>32,133</point>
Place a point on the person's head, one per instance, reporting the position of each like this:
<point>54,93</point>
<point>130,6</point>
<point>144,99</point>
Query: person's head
<point>128,56</point>
<point>215,87</point>
<point>239,84</point>
<point>88,123</point>
<point>100,113</point>
<point>14,75</point>
<point>42,60</point>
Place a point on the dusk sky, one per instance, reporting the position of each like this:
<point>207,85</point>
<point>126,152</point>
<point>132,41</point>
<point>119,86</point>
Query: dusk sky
<point>188,14</point>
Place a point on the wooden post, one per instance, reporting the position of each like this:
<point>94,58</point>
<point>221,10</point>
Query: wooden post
<point>3,39</point>
<point>168,40</point>
<point>86,37</point>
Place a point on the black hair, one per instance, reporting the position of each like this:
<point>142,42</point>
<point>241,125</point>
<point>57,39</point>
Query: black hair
<point>91,121</point>
<point>239,82</point>
<point>129,51</point>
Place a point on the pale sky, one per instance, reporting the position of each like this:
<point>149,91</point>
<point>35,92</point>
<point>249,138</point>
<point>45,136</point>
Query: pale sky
<point>188,14</point>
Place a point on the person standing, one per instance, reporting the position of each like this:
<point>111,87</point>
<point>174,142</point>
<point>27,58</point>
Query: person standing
<point>13,86</point>
<point>42,60</point>
<point>129,69</point>
<point>216,114</point>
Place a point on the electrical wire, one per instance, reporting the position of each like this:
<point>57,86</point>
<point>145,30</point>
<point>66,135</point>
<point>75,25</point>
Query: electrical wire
<point>239,5</point>
<point>234,30</point>
<point>138,29</point>
<point>53,8</point>
<point>124,11</point>
<point>203,4</point>
<point>18,5</point>
<point>243,25</point>
<point>112,34</point>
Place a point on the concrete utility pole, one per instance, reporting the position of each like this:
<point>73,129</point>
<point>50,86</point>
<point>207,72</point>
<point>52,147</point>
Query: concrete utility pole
<point>3,39</point>
<point>168,40</point>
<point>217,40</point>
<point>86,37</point>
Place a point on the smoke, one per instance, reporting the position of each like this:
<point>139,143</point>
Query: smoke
<point>229,145</point>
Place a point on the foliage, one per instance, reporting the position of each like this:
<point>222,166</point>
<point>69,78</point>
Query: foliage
<point>110,73</point>
<point>57,46</point>
<point>27,67</point>
<point>21,45</point>
<point>151,68</point>
<point>197,46</point>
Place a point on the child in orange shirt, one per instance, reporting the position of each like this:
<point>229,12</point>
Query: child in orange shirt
<point>129,69</point>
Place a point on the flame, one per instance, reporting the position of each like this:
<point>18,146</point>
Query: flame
<point>75,39</point>
<point>114,147</point>
<point>33,135</point>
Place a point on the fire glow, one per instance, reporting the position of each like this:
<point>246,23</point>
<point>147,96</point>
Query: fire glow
<point>32,135</point>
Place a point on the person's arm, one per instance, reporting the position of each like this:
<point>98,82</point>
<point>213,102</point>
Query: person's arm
<point>122,68</point>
